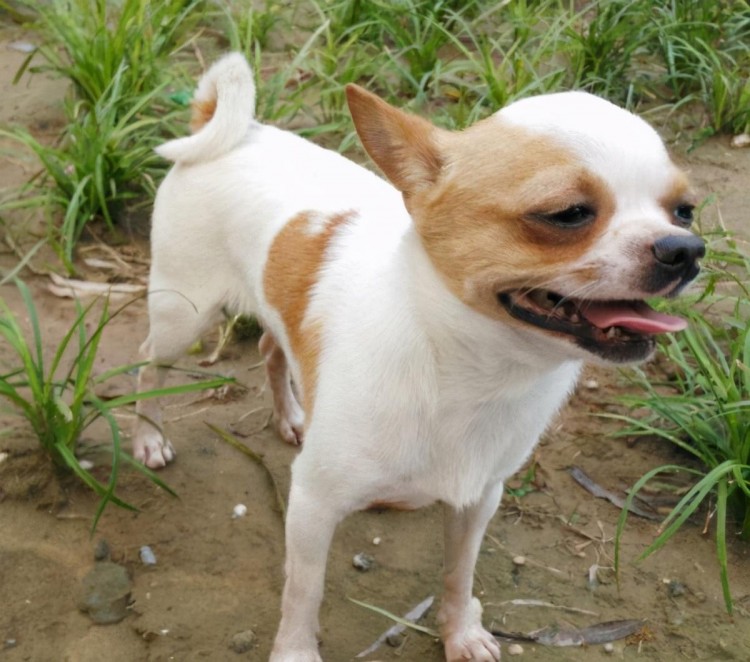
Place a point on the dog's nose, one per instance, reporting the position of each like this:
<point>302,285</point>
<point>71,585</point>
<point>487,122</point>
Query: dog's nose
<point>678,252</point>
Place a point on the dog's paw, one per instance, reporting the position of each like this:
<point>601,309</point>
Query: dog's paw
<point>291,433</point>
<point>290,423</point>
<point>474,644</point>
<point>153,450</point>
<point>464,637</point>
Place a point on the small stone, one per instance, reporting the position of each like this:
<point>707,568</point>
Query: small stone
<point>741,140</point>
<point>676,589</point>
<point>86,465</point>
<point>242,642</point>
<point>515,649</point>
<point>147,555</point>
<point>363,562</point>
<point>4,456</point>
<point>101,551</point>
<point>609,647</point>
<point>395,639</point>
<point>22,46</point>
<point>240,510</point>
<point>675,617</point>
<point>519,560</point>
<point>10,643</point>
<point>591,384</point>
<point>376,540</point>
<point>106,593</point>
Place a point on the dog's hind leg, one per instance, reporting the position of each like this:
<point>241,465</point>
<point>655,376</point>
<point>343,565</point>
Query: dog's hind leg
<point>287,413</point>
<point>460,614</point>
<point>175,324</point>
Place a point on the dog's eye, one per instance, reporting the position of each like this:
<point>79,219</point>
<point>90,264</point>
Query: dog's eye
<point>572,217</point>
<point>684,214</point>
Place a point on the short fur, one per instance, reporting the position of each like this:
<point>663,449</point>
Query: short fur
<point>382,302</point>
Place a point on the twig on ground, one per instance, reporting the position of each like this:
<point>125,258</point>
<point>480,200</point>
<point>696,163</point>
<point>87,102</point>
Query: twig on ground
<point>408,621</point>
<point>587,483</point>
<point>521,602</point>
<point>255,457</point>
<point>529,561</point>
<point>553,635</point>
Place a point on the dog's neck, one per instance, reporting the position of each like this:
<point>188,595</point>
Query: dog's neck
<point>466,341</point>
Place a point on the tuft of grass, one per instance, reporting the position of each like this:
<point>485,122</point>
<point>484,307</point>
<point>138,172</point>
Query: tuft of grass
<point>704,410</point>
<point>114,55</point>
<point>603,40</point>
<point>57,395</point>
<point>105,159</point>
<point>90,42</point>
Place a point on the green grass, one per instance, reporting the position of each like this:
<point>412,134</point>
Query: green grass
<point>457,61</point>
<point>703,409</point>
<point>115,56</point>
<point>57,395</point>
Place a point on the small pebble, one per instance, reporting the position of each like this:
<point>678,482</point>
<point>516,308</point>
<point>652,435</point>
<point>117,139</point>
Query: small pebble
<point>22,46</point>
<point>87,465</point>
<point>376,540</point>
<point>101,551</point>
<point>4,456</point>
<point>515,649</point>
<point>363,562</point>
<point>676,589</point>
<point>742,140</point>
<point>240,510</point>
<point>609,648</point>
<point>147,556</point>
<point>395,639</point>
<point>519,560</point>
<point>591,384</point>
<point>242,642</point>
<point>10,643</point>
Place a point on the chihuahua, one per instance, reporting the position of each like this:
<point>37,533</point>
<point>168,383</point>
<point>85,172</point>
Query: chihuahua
<point>419,332</point>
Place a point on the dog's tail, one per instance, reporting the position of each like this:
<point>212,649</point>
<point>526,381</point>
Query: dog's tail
<point>223,109</point>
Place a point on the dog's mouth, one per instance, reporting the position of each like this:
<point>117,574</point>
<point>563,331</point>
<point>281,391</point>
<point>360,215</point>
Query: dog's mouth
<point>617,331</point>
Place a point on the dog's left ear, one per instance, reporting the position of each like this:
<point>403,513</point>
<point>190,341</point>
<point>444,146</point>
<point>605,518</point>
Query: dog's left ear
<point>403,146</point>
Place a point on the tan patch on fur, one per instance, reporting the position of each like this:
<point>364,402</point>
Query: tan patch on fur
<point>294,263</point>
<point>402,145</point>
<point>481,224</point>
<point>202,113</point>
<point>679,193</point>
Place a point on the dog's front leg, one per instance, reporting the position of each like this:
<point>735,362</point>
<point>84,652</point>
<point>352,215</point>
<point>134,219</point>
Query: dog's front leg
<point>460,615</point>
<point>310,524</point>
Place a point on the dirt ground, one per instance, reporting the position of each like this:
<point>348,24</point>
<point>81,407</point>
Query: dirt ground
<point>216,576</point>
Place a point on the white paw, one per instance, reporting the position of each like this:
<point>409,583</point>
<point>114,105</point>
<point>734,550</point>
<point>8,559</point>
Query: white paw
<point>474,643</point>
<point>290,423</point>
<point>153,450</point>
<point>463,635</point>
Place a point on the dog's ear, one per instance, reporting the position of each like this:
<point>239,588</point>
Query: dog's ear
<point>403,146</point>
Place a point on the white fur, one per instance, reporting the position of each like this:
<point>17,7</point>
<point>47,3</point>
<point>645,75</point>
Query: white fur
<point>419,397</point>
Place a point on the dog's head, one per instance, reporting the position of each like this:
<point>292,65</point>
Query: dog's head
<point>559,214</point>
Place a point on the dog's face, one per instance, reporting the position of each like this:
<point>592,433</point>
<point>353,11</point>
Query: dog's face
<point>558,215</point>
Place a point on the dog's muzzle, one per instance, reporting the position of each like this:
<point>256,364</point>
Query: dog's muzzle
<point>675,263</point>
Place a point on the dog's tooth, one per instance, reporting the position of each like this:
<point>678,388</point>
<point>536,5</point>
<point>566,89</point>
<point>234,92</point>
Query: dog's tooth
<point>611,332</point>
<point>575,318</point>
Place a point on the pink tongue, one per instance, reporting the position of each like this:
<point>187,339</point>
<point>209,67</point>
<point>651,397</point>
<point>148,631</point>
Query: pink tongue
<point>636,316</point>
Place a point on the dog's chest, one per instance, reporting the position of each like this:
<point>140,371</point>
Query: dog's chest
<point>463,435</point>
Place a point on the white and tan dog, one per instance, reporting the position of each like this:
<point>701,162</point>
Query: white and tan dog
<point>431,326</point>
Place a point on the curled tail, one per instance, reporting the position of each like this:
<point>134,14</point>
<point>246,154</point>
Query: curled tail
<point>223,109</point>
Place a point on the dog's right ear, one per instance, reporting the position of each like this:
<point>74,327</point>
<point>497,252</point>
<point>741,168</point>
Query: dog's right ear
<point>403,146</point>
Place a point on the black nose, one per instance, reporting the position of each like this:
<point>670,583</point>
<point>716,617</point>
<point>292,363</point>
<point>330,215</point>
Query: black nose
<point>678,252</point>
